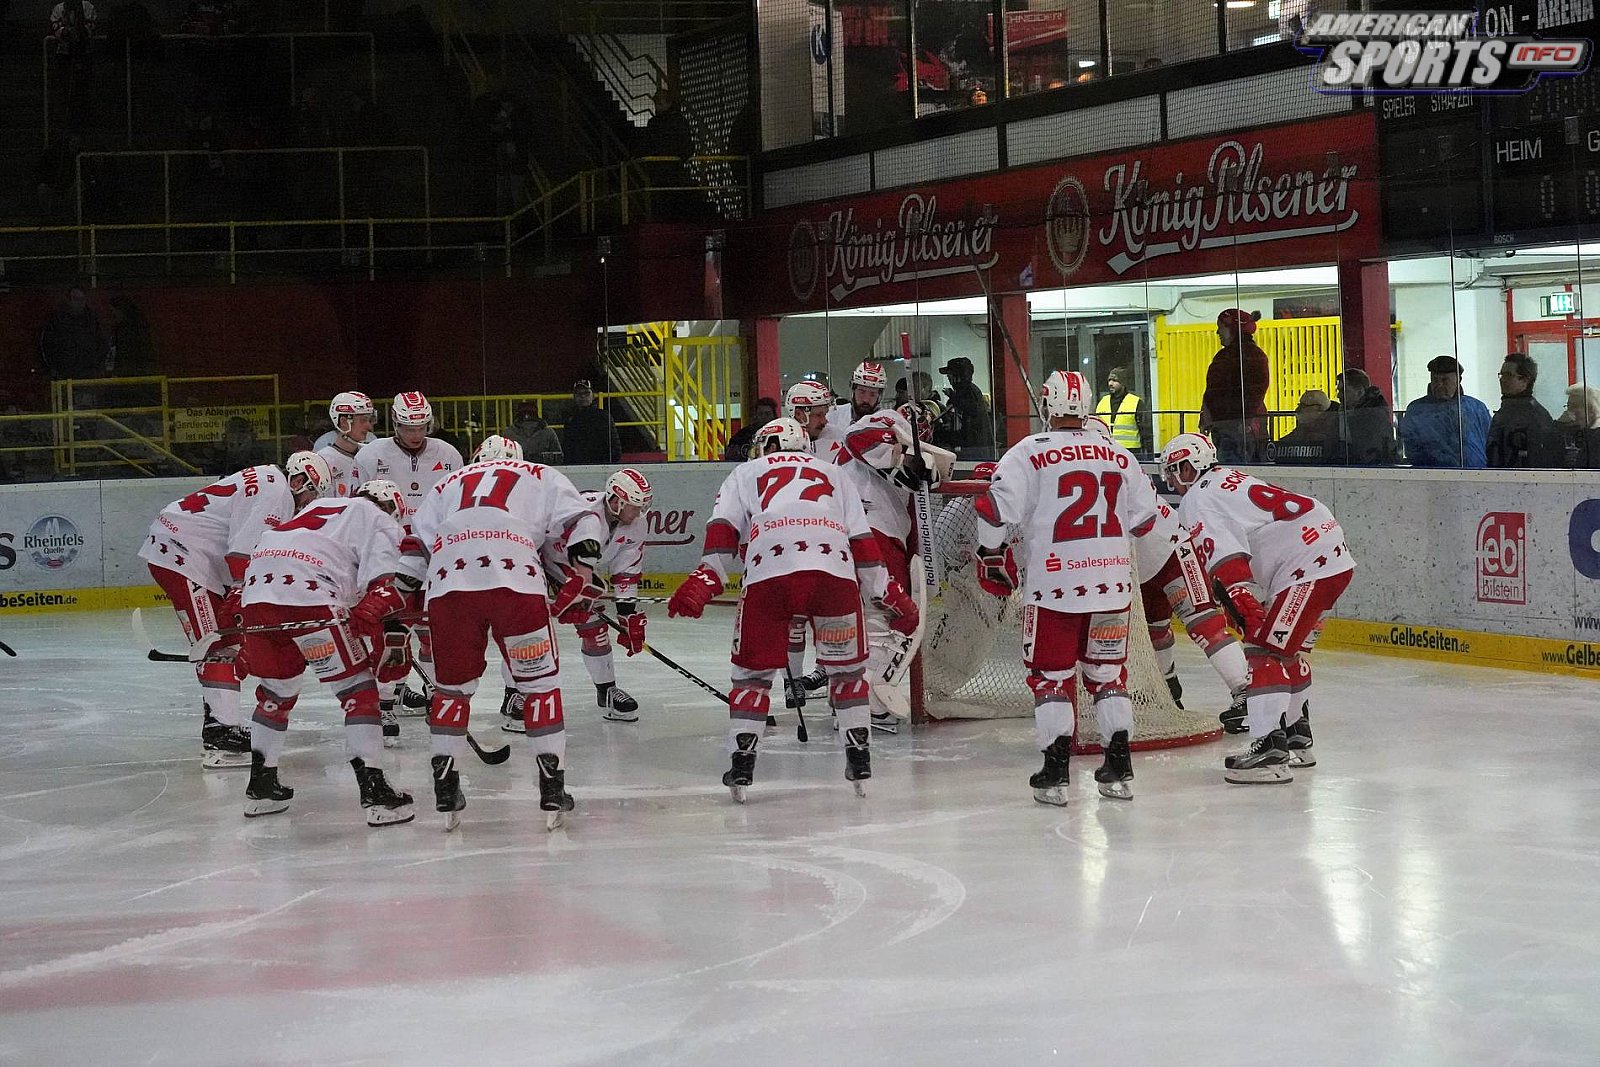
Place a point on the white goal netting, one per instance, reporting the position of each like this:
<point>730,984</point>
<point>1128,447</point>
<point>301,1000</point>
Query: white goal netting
<point>971,656</point>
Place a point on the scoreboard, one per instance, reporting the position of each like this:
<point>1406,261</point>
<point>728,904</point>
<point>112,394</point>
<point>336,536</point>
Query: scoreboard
<point>1498,170</point>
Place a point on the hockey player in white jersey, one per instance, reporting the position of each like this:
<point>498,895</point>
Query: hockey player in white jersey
<point>477,544</point>
<point>882,466</point>
<point>352,415</point>
<point>1173,581</point>
<point>620,508</point>
<point>1075,499</point>
<point>807,552</point>
<point>415,462</point>
<point>316,594</point>
<point>197,551</point>
<point>1250,534</point>
<point>866,397</point>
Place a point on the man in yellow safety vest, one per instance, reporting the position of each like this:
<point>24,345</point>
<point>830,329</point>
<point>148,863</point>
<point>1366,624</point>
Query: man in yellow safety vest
<point>1124,413</point>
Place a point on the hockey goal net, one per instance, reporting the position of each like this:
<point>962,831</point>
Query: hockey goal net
<point>970,662</point>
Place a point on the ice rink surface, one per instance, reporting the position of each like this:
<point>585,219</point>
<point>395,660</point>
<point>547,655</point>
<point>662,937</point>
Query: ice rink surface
<point>1428,894</point>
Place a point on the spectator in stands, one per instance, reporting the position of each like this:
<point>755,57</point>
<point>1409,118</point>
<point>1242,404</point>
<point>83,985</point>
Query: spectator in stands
<point>589,436</point>
<point>670,139</point>
<point>1126,413</point>
<point>1446,427</point>
<point>72,27</point>
<point>1365,425</point>
<point>1234,408</point>
<point>966,426</point>
<point>73,344</point>
<point>978,97</point>
<point>240,448</point>
<point>539,442</point>
<point>133,354</point>
<point>508,131</point>
<point>1522,434</point>
<point>1308,441</point>
<point>1579,426</point>
<point>924,384</point>
<point>738,449</point>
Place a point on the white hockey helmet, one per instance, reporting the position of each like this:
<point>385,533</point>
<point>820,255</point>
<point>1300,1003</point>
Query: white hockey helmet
<point>347,404</point>
<point>385,494</point>
<point>807,395</point>
<point>1193,449</point>
<point>496,447</point>
<point>412,409</point>
<point>779,435</point>
<point>313,471</point>
<point>1098,425</point>
<point>628,486</point>
<point>1067,393</point>
<point>870,375</point>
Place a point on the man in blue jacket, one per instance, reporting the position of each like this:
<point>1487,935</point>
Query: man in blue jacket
<point>1446,428</point>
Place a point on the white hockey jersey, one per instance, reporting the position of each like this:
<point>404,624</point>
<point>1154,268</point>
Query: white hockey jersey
<point>1076,500</point>
<point>486,526</point>
<point>328,438</point>
<point>343,467</point>
<point>866,460</point>
<point>789,512</point>
<point>830,442</point>
<point>1152,549</point>
<point>1288,538</point>
<point>621,551</point>
<point>327,555</point>
<point>195,535</point>
<point>415,473</point>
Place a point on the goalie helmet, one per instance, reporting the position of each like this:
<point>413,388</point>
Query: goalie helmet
<point>412,409</point>
<point>870,375</point>
<point>345,405</point>
<point>922,414</point>
<point>807,395</point>
<point>385,494</point>
<point>312,469</point>
<point>496,447</point>
<point>1196,450</point>
<point>627,486</point>
<point>780,435</point>
<point>1067,393</point>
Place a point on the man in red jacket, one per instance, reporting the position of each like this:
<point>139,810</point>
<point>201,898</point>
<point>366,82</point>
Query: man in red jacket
<point>1234,409</point>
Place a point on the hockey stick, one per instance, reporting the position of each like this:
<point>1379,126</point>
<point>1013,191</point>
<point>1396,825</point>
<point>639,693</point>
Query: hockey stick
<point>696,679</point>
<point>8,650</point>
<point>203,646</point>
<point>491,756</point>
<point>800,734</point>
<point>144,639</point>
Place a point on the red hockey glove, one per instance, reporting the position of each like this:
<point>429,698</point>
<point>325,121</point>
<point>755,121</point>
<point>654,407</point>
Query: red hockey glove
<point>633,632</point>
<point>902,609</point>
<point>1249,608</point>
<point>574,601</point>
<point>381,601</point>
<point>231,611</point>
<point>694,594</point>
<point>997,571</point>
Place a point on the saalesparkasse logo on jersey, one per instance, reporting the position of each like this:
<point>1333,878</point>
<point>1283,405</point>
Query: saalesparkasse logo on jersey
<point>1501,551</point>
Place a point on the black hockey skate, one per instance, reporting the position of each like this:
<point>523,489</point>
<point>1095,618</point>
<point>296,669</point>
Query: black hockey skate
<point>620,707</point>
<point>1050,784</point>
<point>384,806</point>
<point>554,800</point>
<point>1113,775</point>
<point>222,746</point>
<point>391,724</point>
<point>817,679</point>
<point>1265,762</point>
<point>1233,719</point>
<point>1297,734</point>
<point>794,691</point>
<point>265,795</point>
<point>857,758</point>
<point>411,701</point>
<point>1175,687</point>
<point>743,771</point>
<point>511,713</point>
<point>447,798</point>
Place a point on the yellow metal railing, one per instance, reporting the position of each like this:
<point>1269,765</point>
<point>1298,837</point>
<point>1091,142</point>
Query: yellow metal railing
<point>703,377</point>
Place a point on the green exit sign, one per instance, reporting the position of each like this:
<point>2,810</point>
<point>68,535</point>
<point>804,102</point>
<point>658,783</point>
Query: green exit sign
<point>1558,304</point>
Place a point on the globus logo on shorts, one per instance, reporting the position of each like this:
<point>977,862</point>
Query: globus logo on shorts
<point>319,652</point>
<point>1501,553</point>
<point>530,654</point>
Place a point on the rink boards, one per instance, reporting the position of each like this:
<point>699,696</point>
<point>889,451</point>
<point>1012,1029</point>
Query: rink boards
<point>1494,568</point>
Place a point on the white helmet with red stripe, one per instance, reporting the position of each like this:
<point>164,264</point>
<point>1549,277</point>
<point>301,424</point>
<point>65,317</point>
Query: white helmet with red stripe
<point>780,435</point>
<point>496,447</point>
<point>1098,425</point>
<point>412,409</point>
<point>1192,449</point>
<point>386,495</point>
<point>313,471</point>
<point>1067,393</point>
<point>627,486</point>
<point>870,375</point>
<point>807,395</point>
<point>347,404</point>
